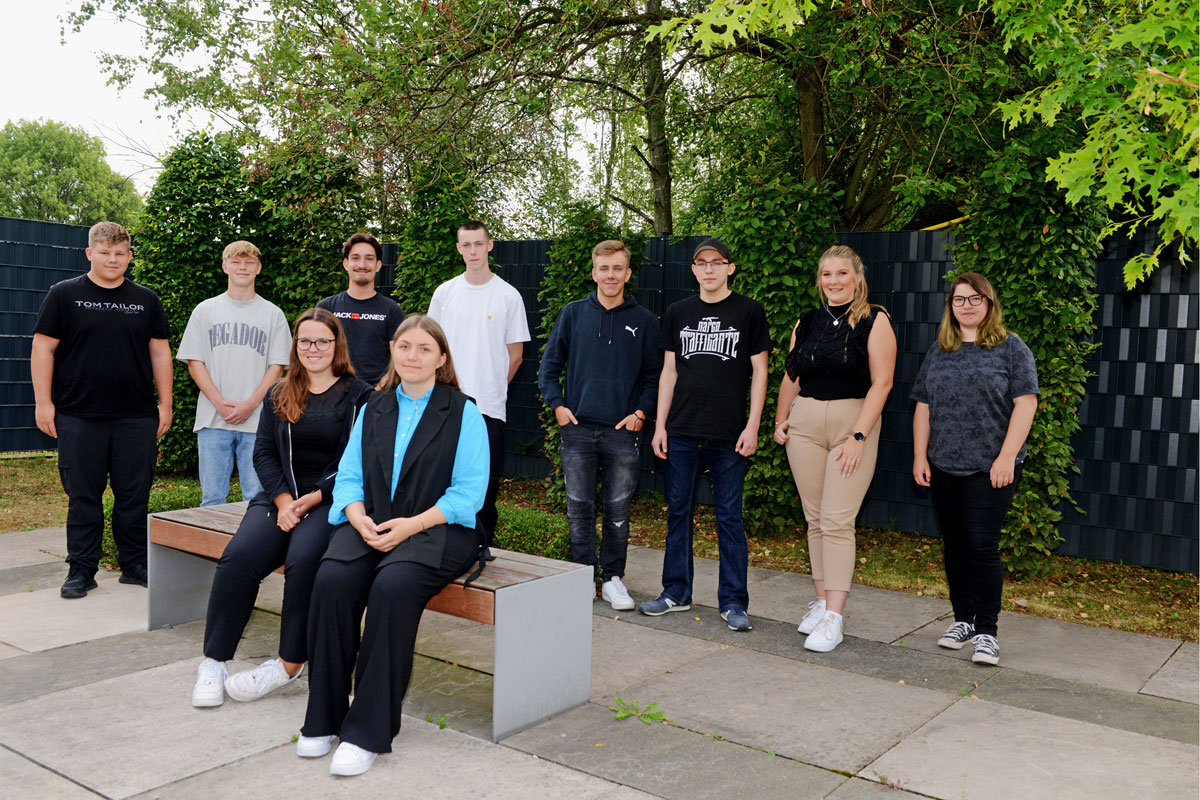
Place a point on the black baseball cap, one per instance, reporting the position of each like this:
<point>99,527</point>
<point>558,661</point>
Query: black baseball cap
<point>713,244</point>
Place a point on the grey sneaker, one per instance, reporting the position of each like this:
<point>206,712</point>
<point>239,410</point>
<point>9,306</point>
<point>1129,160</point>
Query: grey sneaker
<point>957,635</point>
<point>656,608</point>
<point>987,649</point>
<point>260,681</point>
<point>209,690</point>
<point>737,619</point>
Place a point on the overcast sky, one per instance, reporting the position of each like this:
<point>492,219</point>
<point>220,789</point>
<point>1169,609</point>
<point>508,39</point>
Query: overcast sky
<point>46,79</point>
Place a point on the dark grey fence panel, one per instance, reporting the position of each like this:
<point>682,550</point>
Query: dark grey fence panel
<point>1138,451</point>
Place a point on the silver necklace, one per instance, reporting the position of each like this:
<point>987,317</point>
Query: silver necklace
<point>838,319</point>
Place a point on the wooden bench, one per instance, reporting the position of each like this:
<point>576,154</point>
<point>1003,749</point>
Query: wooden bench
<point>540,610</point>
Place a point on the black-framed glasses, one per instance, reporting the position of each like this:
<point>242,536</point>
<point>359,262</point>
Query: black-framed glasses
<point>961,300</point>
<point>321,344</point>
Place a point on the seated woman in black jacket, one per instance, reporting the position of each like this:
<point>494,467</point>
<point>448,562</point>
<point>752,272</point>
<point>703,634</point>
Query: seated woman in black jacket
<point>302,430</point>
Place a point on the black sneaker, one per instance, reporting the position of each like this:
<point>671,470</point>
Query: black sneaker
<point>79,581</point>
<point>134,574</point>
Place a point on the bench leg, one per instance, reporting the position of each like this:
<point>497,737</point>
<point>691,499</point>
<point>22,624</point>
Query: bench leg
<point>543,655</point>
<point>179,586</point>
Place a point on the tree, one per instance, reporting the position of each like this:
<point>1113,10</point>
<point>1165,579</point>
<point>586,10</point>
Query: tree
<point>57,172</point>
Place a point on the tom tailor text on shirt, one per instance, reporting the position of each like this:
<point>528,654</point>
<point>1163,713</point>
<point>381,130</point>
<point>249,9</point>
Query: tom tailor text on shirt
<point>123,308</point>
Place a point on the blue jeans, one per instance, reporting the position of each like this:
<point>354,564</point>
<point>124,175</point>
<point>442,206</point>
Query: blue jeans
<point>615,454</point>
<point>218,450</point>
<point>687,459</point>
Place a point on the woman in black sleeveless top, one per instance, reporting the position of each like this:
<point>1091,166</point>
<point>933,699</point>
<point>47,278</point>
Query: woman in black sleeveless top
<point>409,486</point>
<point>839,373</point>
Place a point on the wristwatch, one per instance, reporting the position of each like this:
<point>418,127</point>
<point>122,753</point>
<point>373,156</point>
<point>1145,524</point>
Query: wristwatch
<point>859,436</point>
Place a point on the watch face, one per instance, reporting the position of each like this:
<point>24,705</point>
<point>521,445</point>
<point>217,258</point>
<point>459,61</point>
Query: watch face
<point>858,437</point>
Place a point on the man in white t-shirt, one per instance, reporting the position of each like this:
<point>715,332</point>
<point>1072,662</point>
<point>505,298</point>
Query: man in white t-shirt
<point>486,328</point>
<point>236,345</point>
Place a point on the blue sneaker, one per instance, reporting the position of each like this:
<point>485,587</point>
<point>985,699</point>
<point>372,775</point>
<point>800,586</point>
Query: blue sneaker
<point>737,619</point>
<point>656,608</point>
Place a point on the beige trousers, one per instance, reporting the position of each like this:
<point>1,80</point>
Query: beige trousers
<point>816,429</point>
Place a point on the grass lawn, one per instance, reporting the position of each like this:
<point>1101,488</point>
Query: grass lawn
<point>1079,590</point>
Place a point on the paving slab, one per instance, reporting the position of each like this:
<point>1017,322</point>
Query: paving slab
<point>41,546</point>
<point>859,789</point>
<point>42,620</point>
<point>874,614</point>
<point>459,697</point>
<point>1116,659</point>
<point>668,761</point>
<point>425,762</point>
<point>1086,702</point>
<point>770,703</point>
<point>472,646</point>
<point>643,577</point>
<point>984,750</point>
<point>22,779</point>
<point>625,655</point>
<point>1177,678</point>
<point>33,577</point>
<point>130,715</point>
<point>10,652</point>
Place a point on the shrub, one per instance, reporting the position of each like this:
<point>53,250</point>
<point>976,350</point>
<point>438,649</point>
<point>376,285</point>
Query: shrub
<point>528,530</point>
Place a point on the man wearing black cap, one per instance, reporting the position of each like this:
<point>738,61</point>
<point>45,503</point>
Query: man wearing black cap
<point>716,347</point>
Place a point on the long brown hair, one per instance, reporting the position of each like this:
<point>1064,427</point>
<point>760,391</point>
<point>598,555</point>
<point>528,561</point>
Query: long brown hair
<point>991,331</point>
<point>445,373</point>
<point>290,394</point>
<point>859,307</point>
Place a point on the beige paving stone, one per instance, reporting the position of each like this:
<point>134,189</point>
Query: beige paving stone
<point>42,620</point>
<point>985,751</point>
<point>771,703</point>
<point>25,548</point>
<point>1178,679</point>
<point>425,763</point>
<point>1116,659</point>
<point>22,779</point>
<point>10,652</point>
<point>643,577</point>
<point>150,733</point>
<point>625,655</point>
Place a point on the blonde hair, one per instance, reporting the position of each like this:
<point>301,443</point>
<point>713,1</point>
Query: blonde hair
<point>240,248</point>
<point>107,233</point>
<point>991,331</point>
<point>445,373</point>
<point>859,307</point>
<point>610,246</point>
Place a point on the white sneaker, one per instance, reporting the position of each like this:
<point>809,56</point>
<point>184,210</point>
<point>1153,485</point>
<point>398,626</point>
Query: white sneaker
<point>827,635</point>
<point>260,681</point>
<point>350,759</point>
<point>313,746</point>
<point>816,610</point>
<point>616,595</point>
<point>209,690</point>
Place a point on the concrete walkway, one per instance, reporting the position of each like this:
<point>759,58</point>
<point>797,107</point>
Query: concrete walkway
<point>93,705</point>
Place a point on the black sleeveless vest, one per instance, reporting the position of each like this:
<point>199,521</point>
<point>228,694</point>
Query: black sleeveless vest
<point>425,474</point>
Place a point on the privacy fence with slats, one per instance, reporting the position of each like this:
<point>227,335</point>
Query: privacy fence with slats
<point>1138,450</point>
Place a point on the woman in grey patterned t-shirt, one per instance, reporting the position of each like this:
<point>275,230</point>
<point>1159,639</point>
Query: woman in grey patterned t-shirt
<point>976,394</point>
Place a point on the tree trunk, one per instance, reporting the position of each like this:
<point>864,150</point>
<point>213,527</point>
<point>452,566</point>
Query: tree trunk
<point>810,115</point>
<point>658,150</point>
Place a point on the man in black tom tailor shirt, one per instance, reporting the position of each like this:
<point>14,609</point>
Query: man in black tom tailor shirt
<point>99,353</point>
<point>370,319</point>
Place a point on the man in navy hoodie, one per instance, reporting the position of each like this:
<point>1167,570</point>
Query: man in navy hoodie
<point>608,345</point>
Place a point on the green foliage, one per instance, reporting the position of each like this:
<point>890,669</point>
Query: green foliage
<point>1039,251</point>
<point>623,711</point>
<point>441,200</point>
<point>528,530</point>
<point>777,228</point>
<point>297,207</point>
<point>568,277</point>
<point>1129,71</point>
<point>57,172</point>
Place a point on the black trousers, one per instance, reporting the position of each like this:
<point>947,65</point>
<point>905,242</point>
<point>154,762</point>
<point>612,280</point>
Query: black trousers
<point>91,454</point>
<point>394,597</point>
<point>487,517</point>
<point>970,517</point>
<point>257,549</point>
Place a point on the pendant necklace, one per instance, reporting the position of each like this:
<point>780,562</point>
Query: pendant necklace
<point>838,319</point>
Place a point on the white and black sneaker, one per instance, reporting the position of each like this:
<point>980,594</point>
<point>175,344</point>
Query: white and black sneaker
<point>957,635</point>
<point>987,649</point>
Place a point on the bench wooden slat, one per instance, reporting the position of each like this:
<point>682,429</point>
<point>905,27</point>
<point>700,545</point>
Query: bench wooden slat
<point>207,518</point>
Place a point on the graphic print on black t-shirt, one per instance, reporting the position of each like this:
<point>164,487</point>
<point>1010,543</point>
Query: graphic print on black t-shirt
<point>712,343</point>
<point>369,325</point>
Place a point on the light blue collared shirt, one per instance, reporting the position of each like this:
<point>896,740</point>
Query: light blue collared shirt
<point>468,481</point>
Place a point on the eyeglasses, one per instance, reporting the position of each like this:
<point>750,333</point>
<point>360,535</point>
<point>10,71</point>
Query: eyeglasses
<point>961,300</point>
<point>306,344</point>
<point>705,266</point>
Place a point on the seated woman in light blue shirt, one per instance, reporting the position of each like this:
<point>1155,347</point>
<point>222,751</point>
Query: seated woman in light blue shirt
<point>411,480</point>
